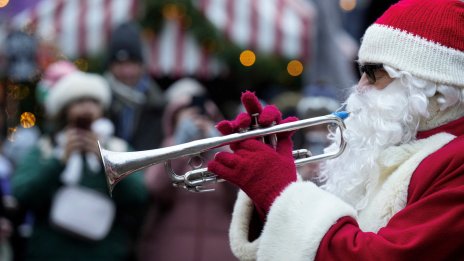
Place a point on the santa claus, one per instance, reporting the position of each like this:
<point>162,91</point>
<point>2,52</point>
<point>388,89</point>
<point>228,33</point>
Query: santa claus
<point>397,191</point>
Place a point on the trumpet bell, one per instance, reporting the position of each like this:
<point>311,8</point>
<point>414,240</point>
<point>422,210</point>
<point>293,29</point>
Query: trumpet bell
<point>119,165</point>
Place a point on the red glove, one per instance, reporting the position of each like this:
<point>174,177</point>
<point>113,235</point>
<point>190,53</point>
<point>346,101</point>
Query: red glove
<point>259,170</point>
<point>267,116</point>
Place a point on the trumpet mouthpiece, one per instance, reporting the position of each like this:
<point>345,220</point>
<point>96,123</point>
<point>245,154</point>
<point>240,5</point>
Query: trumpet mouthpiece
<point>341,114</point>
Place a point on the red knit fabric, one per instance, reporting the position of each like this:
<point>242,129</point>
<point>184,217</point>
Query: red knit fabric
<point>251,102</point>
<point>259,170</point>
<point>446,16</point>
<point>428,228</point>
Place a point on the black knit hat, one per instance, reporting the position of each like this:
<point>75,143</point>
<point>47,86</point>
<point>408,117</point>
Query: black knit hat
<point>125,44</point>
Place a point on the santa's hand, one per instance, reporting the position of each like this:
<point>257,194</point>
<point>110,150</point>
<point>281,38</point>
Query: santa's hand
<point>259,170</point>
<point>266,116</point>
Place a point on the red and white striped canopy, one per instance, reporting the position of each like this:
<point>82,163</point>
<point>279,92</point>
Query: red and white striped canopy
<point>176,52</point>
<point>82,27</point>
<point>282,27</point>
<point>79,27</point>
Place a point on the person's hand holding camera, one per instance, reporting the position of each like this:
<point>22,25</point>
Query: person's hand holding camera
<point>193,125</point>
<point>80,139</point>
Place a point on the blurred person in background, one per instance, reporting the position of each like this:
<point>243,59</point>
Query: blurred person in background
<point>61,180</point>
<point>332,47</point>
<point>25,138</point>
<point>13,236</point>
<point>183,225</point>
<point>137,101</point>
<point>18,145</point>
<point>286,101</point>
<point>319,101</point>
<point>19,72</point>
<point>22,73</point>
<point>20,49</point>
<point>6,225</point>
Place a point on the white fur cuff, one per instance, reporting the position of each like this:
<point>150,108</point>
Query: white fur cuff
<point>239,228</point>
<point>297,222</point>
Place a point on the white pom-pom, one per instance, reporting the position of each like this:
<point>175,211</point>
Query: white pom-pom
<point>103,127</point>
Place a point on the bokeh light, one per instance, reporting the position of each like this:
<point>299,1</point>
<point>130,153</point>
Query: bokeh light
<point>173,12</point>
<point>295,68</point>
<point>27,120</point>
<point>247,58</point>
<point>17,92</point>
<point>347,5</point>
<point>82,64</point>
<point>4,3</point>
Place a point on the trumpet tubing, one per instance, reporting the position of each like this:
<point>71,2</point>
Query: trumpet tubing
<point>118,165</point>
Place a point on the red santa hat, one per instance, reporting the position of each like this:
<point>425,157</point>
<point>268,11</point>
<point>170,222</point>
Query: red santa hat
<point>422,37</point>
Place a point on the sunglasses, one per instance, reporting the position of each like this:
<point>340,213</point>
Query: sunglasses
<point>370,69</point>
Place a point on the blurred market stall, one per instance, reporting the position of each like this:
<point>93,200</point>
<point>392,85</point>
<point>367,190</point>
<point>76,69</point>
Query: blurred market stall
<point>183,37</point>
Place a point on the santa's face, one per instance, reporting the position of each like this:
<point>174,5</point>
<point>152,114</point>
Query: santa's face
<point>379,118</point>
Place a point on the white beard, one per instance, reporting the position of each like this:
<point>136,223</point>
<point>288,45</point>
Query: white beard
<point>378,119</point>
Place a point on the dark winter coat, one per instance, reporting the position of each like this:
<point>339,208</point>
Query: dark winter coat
<point>34,184</point>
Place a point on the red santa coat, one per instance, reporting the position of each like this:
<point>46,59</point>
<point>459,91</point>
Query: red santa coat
<point>416,212</point>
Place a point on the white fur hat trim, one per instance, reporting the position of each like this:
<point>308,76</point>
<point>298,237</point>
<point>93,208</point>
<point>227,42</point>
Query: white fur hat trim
<point>75,86</point>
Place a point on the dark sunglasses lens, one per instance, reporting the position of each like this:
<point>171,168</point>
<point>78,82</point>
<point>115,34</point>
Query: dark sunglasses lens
<point>370,75</point>
<point>369,69</point>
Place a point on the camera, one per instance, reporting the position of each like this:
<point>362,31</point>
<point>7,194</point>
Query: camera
<point>83,122</point>
<point>199,102</point>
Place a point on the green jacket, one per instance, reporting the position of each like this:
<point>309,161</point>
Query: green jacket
<point>36,180</point>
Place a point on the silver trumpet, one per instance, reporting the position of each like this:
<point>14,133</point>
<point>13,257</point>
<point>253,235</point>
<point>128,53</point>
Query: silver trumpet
<point>118,165</point>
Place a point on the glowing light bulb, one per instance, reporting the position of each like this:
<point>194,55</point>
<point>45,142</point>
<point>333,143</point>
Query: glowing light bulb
<point>4,3</point>
<point>27,120</point>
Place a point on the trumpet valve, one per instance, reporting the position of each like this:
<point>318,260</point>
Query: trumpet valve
<point>198,177</point>
<point>301,154</point>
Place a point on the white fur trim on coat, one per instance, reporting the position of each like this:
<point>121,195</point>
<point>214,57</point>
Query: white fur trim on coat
<point>292,231</point>
<point>240,227</point>
<point>298,220</point>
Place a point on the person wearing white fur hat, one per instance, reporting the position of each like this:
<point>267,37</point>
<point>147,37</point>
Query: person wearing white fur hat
<point>397,191</point>
<point>61,180</point>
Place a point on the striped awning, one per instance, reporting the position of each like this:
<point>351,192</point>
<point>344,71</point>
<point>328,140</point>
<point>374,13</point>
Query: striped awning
<point>282,27</point>
<point>82,28</point>
<point>175,52</point>
<point>79,27</point>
